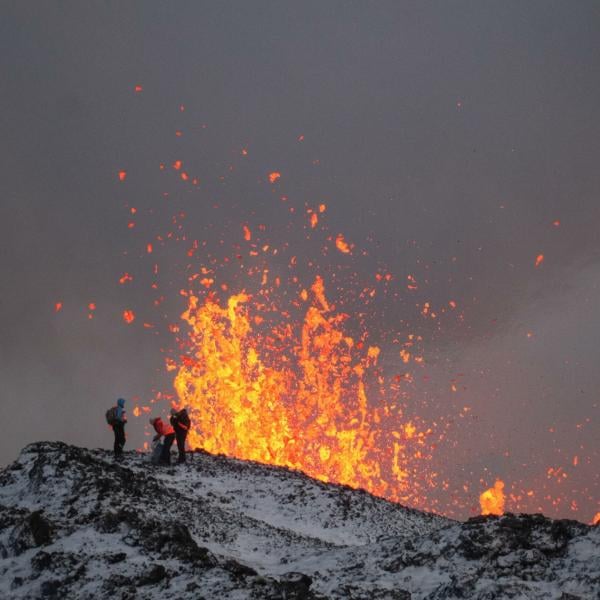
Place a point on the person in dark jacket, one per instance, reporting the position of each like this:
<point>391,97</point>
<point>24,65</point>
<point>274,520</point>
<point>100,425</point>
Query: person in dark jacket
<point>169,435</point>
<point>180,421</point>
<point>118,426</point>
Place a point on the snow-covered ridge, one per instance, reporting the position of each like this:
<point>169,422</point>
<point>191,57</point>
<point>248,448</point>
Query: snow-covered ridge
<point>74,524</point>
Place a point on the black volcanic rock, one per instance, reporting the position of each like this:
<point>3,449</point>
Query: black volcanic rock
<point>29,530</point>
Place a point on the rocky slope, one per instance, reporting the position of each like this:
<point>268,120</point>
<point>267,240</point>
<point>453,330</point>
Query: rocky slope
<point>76,525</point>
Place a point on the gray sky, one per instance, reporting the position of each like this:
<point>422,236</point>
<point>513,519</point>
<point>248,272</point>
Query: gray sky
<point>445,139</point>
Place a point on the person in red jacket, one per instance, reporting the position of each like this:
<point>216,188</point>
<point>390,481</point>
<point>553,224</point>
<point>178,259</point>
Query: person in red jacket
<point>169,435</point>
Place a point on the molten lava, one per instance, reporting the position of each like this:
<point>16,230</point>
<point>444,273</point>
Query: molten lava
<point>492,500</point>
<point>539,260</point>
<point>295,396</point>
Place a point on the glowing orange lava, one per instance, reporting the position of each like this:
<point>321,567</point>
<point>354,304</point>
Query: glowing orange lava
<point>341,244</point>
<point>492,500</point>
<point>539,260</point>
<point>296,397</point>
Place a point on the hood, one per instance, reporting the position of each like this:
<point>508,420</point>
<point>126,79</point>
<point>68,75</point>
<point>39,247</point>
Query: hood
<point>121,402</point>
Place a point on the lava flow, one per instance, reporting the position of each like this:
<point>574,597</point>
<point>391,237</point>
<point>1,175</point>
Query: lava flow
<point>296,396</point>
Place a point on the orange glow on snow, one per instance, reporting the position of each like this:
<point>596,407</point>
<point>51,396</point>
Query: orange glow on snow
<point>492,500</point>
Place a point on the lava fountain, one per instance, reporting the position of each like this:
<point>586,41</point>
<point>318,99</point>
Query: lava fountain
<point>296,395</point>
<point>492,500</point>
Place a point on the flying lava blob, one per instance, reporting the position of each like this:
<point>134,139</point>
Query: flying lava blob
<point>342,245</point>
<point>539,260</point>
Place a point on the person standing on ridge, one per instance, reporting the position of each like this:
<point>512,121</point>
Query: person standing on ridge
<point>180,421</point>
<point>116,418</point>
<point>169,435</point>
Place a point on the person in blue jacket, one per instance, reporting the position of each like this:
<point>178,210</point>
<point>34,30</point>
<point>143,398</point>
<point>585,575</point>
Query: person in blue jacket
<point>118,426</point>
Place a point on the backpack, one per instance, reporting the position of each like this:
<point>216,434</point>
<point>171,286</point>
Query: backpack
<point>111,415</point>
